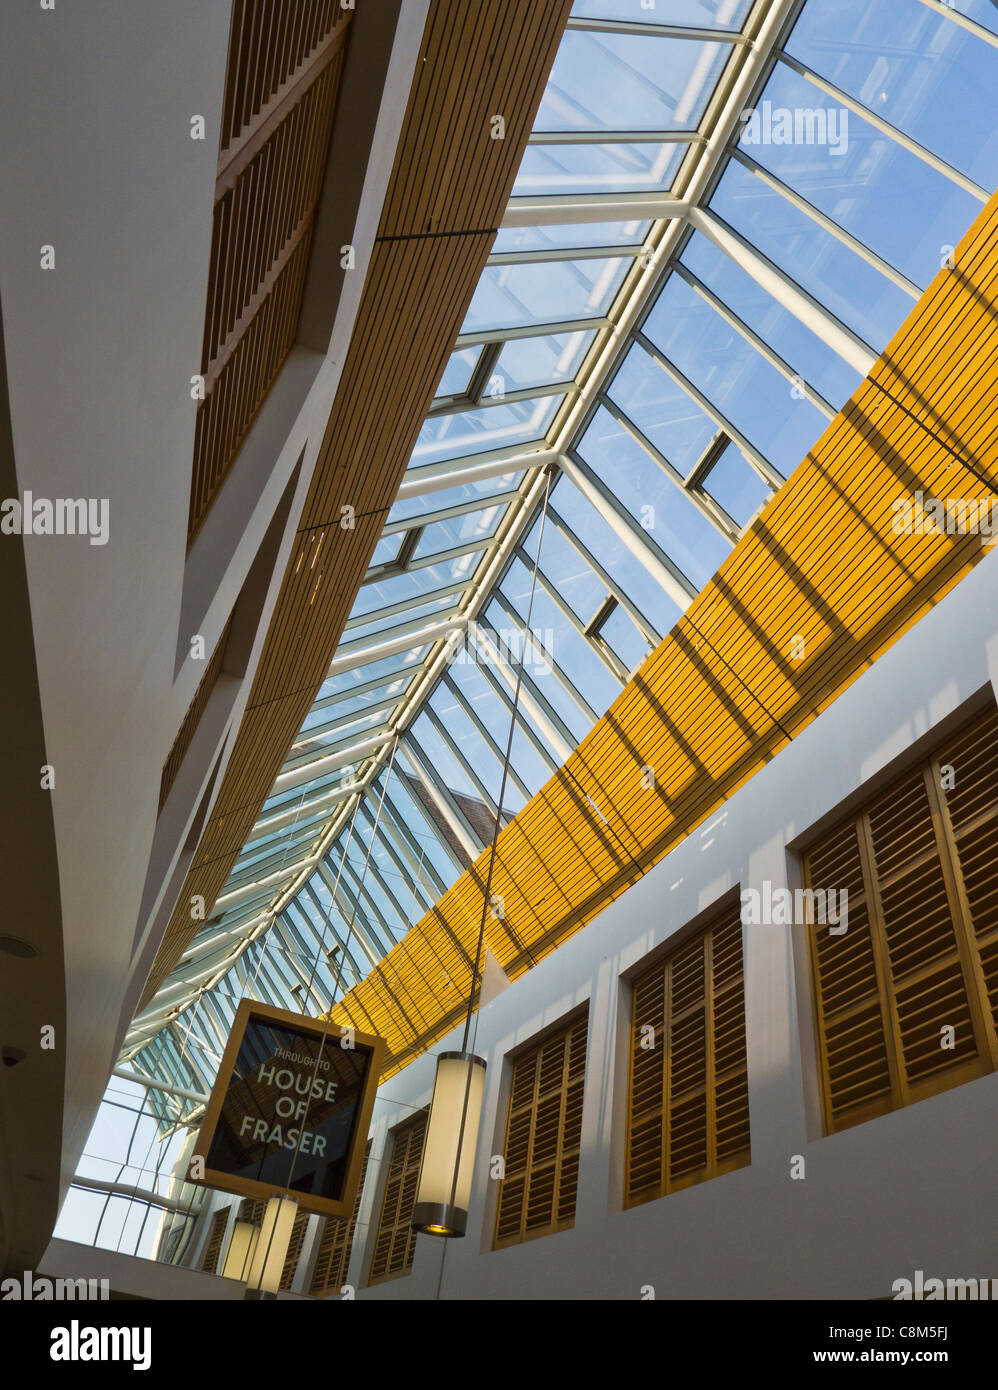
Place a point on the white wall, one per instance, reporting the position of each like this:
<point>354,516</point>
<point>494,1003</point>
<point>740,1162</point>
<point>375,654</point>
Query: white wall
<point>911,1190</point>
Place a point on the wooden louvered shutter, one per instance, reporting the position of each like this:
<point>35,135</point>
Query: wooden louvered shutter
<point>543,1137</point>
<point>294,1250</point>
<point>914,961</point>
<point>209,1260</point>
<point>688,1116</point>
<point>252,1209</point>
<point>971,794</point>
<point>336,1243</point>
<point>395,1243</point>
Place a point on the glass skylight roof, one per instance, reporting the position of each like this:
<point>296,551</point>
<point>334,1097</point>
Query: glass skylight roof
<point>670,388</point>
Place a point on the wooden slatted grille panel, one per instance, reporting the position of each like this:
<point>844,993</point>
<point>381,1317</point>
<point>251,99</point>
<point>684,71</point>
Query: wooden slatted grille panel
<point>284,70</point>
<point>447,193</point>
<point>543,1138</point>
<point>294,1250</point>
<point>688,1108</point>
<point>395,1242</point>
<point>920,955</point>
<point>336,1243</point>
<point>270,47</point>
<point>187,730</point>
<point>213,1248</point>
<point>724,690</point>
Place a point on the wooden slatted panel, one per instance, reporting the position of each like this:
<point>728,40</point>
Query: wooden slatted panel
<point>395,1242</point>
<point>688,1116</point>
<point>265,197</point>
<point>972,807</point>
<point>192,718</point>
<point>213,1249</point>
<point>543,1137</point>
<point>336,1243</point>
<point>914,961</point>
<point>722,693</point>
<point>294,1250</point>
<point>415,298</point>
<point>270,47</point>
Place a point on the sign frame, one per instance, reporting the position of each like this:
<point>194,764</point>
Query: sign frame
<point>250,1009</point>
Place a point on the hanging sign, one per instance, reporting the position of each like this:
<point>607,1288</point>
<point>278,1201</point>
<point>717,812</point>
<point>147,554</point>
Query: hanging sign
<point>291,1107</point>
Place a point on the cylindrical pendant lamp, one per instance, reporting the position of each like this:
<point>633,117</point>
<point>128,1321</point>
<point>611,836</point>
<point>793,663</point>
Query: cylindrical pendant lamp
<point>444,1192</point>
<point>267,1263</point>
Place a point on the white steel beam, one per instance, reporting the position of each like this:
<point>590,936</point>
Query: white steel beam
<point>812,314</point>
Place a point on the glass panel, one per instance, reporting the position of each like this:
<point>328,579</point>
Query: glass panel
<point>573,235</point>
<point>495,715</point>
<point>457,373</point>
<point>387,667</point>
<point>621,634</point>
<point>628,572</point>
<point>425,610</point>
<point>565,646</point>
<point>477,431</point>
<point>735,378</point>
<point>459,530</point>
<point>916,69</point>
<point>346,708</point>
<point>414,818</point>
<point>567,571</point>
<point>890,200</point>
<point>662,410</point>
<point>386,551</point>
<point>527,362</point>
<point>513,296</point>
<point>798,346</point>
<point>437,755</point>
<point>736,485</point>
<point>473,749</point>
<point>702,14</point>
<point>606,81</point>
<point>982,10</point>
<point>864,300</point>
<point>659,504</point>
<point>413,507</point>
<point>634,168</point>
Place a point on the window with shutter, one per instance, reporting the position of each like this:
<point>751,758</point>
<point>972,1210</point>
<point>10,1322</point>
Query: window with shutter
<point>294,1250</point>
<point>336,1243</point>
<point>543,1137</point>
<point>906,998</point>
<point>395,1243</point>
<point>209,1260</point>
<point>688,1113</point>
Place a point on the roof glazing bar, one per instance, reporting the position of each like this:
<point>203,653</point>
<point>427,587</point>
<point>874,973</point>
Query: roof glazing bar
<point>945,8</point>
<point>439,477</point>
<point>567,209</point>
<point>665,573</point>
<point>811,313</point>
<point>891,131</point>
<point>616,137</point>
<point>655,31</point>
<point>828,224</point>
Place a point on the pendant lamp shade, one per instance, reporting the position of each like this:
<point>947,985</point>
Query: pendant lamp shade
<point>267,1263</point>
<point>444,1192</point>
